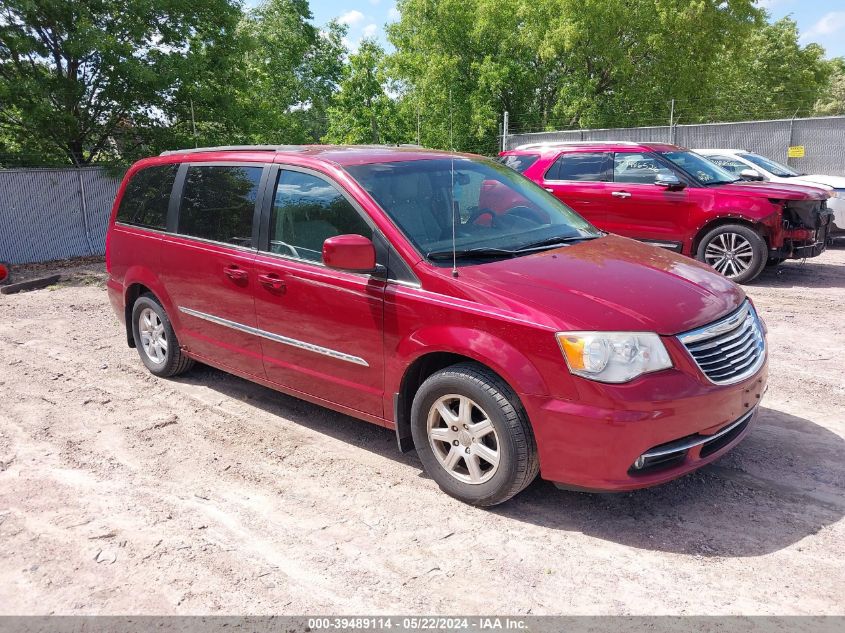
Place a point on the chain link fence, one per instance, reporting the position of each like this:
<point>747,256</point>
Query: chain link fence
<point>48,214</point>
<point>823,139</point>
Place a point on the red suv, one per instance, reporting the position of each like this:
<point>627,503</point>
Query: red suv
<point>674,198</point>
<point>381,282</point>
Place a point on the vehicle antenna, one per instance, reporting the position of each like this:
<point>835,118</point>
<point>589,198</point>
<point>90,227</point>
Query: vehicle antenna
<point>452,206</point>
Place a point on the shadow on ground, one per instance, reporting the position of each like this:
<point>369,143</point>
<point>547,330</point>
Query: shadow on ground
<point>784,482</point>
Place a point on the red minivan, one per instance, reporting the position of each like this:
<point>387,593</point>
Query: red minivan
<point>671,197</point>
<point>381,282</point>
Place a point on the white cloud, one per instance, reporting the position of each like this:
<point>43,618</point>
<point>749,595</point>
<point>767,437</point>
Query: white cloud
<point>374,2</point>
<point>829,24</point>
<point>393,14</point>
<point>370,30</point>
<point>351,17</point>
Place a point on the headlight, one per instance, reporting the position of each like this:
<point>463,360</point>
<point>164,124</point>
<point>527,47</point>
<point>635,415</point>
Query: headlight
<point>613,356</point>
<point>837,193</point>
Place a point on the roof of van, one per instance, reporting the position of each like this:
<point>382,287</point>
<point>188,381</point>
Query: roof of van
<point>339,154</point>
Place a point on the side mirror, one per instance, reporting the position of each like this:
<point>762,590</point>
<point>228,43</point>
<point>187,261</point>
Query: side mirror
<point>354,253</point>
<point>750,174</point>
<point>670,181</point>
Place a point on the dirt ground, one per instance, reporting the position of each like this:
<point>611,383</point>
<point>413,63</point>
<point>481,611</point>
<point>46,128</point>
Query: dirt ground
<point>124,493</point>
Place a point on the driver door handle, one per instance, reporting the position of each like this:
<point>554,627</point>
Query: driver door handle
<point>620,194</point>
<point>272,282</point>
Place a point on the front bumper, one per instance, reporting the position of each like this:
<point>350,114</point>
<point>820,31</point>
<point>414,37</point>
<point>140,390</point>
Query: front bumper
<point>590,446</point>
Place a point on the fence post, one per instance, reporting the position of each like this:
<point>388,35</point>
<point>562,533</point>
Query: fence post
<point>84,208</point>
<point>505,132</point>
<point>672,122</point>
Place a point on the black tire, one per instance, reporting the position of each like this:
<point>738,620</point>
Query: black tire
<point>174,361</point>
<point>518,463</point>
<point>722,236</point>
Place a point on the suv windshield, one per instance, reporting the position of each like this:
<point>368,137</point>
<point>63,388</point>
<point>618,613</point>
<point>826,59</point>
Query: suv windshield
<point>495,211</point>
<point>770,166</point>
<point>704,171</point>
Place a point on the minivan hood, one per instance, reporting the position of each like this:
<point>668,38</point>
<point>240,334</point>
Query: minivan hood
<point>780,190</point>
<point>610,283</point>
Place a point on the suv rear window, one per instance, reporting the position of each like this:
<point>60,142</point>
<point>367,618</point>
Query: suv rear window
<point>147,197</point>
<point>518,162</point>
<point>218,203</point>
<point>581,166</point>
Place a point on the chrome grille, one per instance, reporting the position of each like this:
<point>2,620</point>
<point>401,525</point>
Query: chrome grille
<point>730,349</point>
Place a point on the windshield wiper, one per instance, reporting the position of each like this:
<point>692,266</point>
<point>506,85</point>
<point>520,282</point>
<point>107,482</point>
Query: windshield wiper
<point>555,241</point>
<point>471,253</point>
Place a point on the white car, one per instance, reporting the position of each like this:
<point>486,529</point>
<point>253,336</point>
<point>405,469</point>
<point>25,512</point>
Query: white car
<point>742,163</point>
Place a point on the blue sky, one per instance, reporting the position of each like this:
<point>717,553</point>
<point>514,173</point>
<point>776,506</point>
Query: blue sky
<point>821,21</point>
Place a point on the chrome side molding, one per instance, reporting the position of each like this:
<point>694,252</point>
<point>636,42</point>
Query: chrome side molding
<point>277,338</point>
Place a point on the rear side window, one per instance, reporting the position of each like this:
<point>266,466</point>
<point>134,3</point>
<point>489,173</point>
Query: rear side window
<point>519,162</point>
<point>218,203</point>
<point>147,196</point>
<point>308,210</point>
<point>584,166</point>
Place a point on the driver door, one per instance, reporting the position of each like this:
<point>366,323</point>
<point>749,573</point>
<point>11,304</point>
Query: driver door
<point>321,329</point>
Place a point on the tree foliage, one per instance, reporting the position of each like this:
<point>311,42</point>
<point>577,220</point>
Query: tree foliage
<point>81,79</point>
<point>100,79</point>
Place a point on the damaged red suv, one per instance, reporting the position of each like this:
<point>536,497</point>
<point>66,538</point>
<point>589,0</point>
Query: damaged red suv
<point>673,198</point>
<point>393,285</point>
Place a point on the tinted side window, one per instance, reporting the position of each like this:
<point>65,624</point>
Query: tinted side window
<point>308,210</point>
<point>218,203</point>
<point>147,197</point>
<point>637,168</point>
<point>519,162</point>
<point>586,166</point>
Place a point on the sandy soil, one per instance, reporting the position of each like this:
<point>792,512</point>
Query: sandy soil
<point>123,493</point>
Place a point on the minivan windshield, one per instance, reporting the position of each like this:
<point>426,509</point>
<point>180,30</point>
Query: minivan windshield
<point>703,170</point>
<point>776,169</point>
<point>492,211</point>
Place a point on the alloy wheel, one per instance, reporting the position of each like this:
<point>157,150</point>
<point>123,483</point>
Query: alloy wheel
<point>463,439</point>
<point>153,335</point>
<point>730,254</point>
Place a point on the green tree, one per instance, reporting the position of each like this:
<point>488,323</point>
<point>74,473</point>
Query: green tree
<point>362,111</point>
<point>832,101</point>
<point>772,76</point>
<point>83,80</point>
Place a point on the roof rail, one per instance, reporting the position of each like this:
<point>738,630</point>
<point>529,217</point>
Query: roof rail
<point>542,144</point>
<point>236,148</point>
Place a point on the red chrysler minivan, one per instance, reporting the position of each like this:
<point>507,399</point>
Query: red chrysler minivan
<point>379,282</point>
<point>671,197</point>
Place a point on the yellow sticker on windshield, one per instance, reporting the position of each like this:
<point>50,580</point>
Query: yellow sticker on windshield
<point>795,151</point>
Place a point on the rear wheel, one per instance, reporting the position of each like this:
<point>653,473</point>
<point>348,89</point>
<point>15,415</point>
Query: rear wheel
<point>155,339</point>
<point>735,250</point>
<point>472,435</point>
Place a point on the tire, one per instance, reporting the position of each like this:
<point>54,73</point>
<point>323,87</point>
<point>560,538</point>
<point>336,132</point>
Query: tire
<point>474,389</point>
<point>164,360</point>
<point>749,249</point>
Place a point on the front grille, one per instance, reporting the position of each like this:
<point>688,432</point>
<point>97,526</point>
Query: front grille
<point>730,349</point>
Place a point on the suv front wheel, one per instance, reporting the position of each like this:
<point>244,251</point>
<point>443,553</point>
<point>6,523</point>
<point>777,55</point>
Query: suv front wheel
<point>735,250</point>
<point>473,436</point>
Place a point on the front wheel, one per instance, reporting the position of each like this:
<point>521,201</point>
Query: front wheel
<point>472,435</point>
<point>735,250</point>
